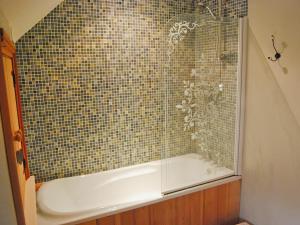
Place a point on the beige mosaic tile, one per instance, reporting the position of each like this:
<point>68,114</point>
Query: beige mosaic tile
<point>93,87</point>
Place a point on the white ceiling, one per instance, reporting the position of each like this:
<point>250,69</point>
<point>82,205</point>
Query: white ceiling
<point>22,15</point>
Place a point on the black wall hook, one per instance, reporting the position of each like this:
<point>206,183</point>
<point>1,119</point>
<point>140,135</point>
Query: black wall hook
<point>277,54</point>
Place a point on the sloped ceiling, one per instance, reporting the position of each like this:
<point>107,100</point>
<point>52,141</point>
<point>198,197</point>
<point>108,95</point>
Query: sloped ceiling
<point>280,18</point>
<point>22,15</point>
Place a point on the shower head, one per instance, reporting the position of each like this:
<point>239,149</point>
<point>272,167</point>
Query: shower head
<point>208,9</point>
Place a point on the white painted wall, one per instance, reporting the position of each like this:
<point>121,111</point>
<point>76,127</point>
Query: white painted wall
<point>24,14</point>
<point>271,159</point>
<point>280,18</point>
<point>7,210</point>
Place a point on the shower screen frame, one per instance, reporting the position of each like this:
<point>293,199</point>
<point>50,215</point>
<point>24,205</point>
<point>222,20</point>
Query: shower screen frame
<point>241,84</point>
<point>239,114</point>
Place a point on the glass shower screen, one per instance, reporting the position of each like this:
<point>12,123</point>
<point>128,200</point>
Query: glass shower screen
<point>202,100</point>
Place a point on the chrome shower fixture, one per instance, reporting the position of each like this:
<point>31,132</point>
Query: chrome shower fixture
<point>208,9</point>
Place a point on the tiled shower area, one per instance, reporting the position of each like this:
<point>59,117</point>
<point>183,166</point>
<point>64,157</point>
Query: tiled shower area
<point>110,84</point>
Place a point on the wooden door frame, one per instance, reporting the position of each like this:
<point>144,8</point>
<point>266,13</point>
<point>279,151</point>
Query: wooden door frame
<point>7,49</point>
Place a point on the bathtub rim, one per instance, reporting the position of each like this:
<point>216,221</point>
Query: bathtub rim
<point>44,219</point>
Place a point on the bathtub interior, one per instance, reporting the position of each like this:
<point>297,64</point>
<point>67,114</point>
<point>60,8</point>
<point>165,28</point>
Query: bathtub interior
<point>105,190</point>
<point>189,170</point>
<point>123,187</point>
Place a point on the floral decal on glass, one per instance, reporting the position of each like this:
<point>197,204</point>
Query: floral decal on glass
<point>199,105</point>
<point>178,32</point>
<point>202,93</point>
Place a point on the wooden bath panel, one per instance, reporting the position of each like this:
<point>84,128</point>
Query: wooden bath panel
<point>215,206</point>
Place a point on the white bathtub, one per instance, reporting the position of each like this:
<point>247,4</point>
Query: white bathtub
<point>109,189</point>
<point>68,199</point>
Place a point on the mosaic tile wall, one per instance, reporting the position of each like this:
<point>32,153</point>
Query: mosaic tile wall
<point>93,89</point>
